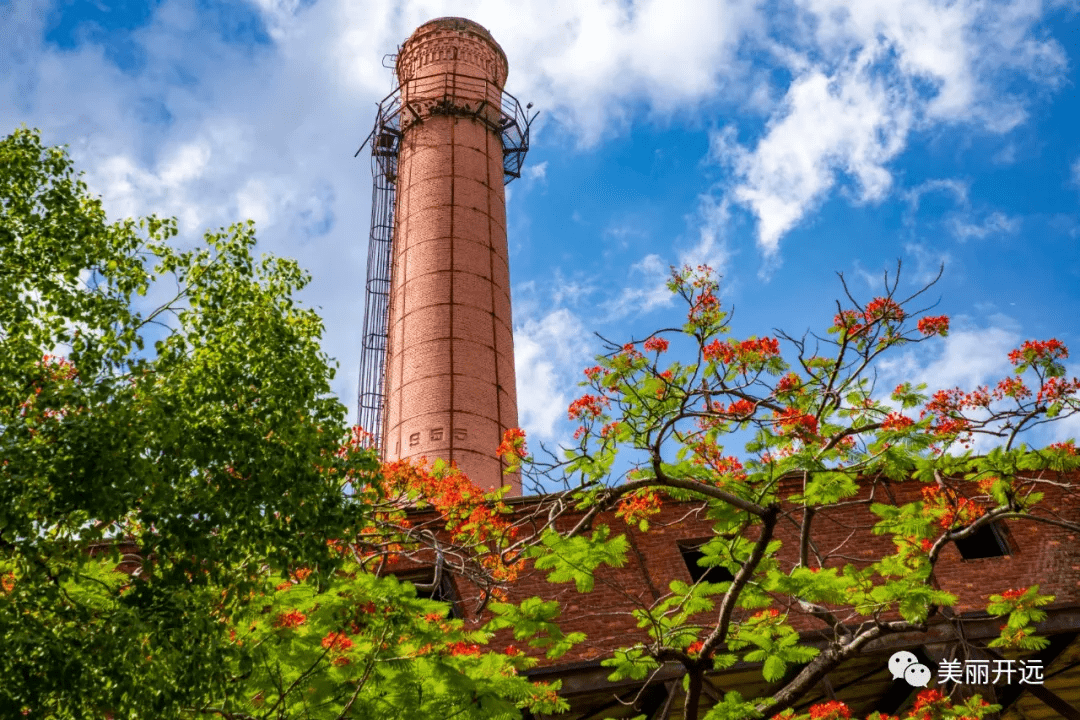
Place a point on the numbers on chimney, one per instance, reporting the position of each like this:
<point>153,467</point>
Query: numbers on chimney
<point>436,434</point>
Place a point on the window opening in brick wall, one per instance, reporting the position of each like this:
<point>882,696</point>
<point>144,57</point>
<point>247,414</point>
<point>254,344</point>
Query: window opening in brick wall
<point>443,592</point>
<point>988,541</point>
<point>691,554</point>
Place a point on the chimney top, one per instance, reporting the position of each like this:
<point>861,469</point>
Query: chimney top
<point>459,24</point>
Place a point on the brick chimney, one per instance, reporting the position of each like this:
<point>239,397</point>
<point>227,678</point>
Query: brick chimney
<point>450,389</point>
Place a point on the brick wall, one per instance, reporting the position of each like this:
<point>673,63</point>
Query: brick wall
<point>1039,553</point>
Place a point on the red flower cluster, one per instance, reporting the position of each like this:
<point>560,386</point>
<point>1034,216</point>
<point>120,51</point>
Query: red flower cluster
<point>695,647</point>
<point>1013,594</point>
<point>705,307</point>
<point>788,383</point>
<point>291,619</point>
<point>725,352</point>
<point>639,505</point>
<point>587,405</point>
<point>337,642</point>
<point>708,454</point>
<point>955,510</point>
<point>740,409</point>
<point>896,421</point>
<point>885,309</point>
<point>513,443</point>
<point>938,325</point>
<point>832,710</point>
<point>951,426</point>
<point>58,368</point>
<point>656,344</point>
<point>358,440</point>
<point>1012,387</point>
<point>979,397</point>
<point>467,514</point>
<point>1056,388</point>
<point>596,372</point>
<point>766,347</point>
<point>926,698</point>
<point>463,649</point>
<point>745,351</point>
<point>795,420</point>
<point>1033,350</point>
<point>610,428</point>
<point>849,320</point>
<point>947,404</point>
<point>1068,447</point>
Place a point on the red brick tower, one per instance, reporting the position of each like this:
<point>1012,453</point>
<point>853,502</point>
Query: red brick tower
<point>450,389</point>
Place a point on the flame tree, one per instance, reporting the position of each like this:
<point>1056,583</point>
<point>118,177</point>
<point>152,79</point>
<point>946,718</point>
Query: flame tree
<point>820,442</point>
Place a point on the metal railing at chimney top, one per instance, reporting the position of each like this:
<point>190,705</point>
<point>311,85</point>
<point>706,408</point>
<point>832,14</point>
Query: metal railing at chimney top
<point>426,96</point>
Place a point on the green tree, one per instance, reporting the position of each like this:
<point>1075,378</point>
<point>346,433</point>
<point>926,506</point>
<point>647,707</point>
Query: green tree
<point>821,442</point>
<point>175,406</point>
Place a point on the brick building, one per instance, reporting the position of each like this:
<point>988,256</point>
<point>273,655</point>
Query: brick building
<point>1009,554</point>
<point>437,380</point>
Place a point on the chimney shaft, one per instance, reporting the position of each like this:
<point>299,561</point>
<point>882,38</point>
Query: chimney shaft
<point>450,386</point>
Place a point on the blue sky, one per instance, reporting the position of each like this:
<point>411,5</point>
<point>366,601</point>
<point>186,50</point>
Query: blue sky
<point>781,141</point>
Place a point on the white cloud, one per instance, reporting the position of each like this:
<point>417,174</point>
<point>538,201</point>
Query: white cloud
<point>967,358</point>
<point>993,224</point>
<point>648,289</point>
<point>881,68</point>
<point>928,263</point>
<point>569,292</point>
<point>962,223</point>
<point>958,189</point>
<point>535,172</point>
<point>872,280</point>
<point>549,354</point>
<point>187,163</point>
<point>971,358</point>
<point>850,122</point>
<point>1074,175</point>
<point>711,248</point>
<point>586,61</point>
<point>1006,155</point>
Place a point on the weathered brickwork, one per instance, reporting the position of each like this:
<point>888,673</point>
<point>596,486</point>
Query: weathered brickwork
<point>1039,554</point>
